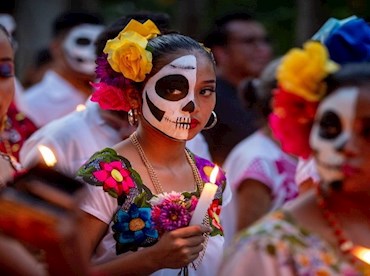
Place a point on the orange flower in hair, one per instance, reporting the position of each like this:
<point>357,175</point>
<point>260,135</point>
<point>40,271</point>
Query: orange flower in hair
<point>127,52</point>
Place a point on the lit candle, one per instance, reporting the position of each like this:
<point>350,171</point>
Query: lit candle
<point>205,199</point>
<point>361,253</point>
<point>48,155</point>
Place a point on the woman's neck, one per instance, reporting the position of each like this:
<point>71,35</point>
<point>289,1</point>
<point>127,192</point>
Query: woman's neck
<point>161,150</point>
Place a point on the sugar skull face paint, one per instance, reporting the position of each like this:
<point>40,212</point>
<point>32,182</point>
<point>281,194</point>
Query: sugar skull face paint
<point>331,131</point>
<point>168,97</point>
<point>80,49</point>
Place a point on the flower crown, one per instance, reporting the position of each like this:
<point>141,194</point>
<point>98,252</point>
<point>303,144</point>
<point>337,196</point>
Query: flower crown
<point>126,60</point>
<point>300,87</point>
<point>347,40</point>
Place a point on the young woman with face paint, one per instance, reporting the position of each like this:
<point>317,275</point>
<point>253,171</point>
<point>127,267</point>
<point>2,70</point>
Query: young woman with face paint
<point>327,230</point>
<point>133,224</point>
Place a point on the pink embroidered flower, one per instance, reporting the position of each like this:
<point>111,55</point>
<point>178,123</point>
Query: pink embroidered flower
<point>116,179</point>
<point>214,214</point>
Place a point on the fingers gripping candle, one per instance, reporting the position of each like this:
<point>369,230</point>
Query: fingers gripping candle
<point>205,199</point>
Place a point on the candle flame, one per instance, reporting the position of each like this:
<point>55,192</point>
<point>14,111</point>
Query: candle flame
<point>362,253</point>
<point>214,174</point>
<point>80,107</point>
<point>48,155</point>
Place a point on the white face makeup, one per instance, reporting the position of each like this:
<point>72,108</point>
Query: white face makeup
<point>168,97</point>
<point>331,130</point>
<point>80,49</point>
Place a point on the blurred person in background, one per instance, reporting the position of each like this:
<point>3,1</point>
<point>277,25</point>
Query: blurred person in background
<point>325,231</point>
<point>242,49</point>
<point>8,163</point>
<point>67,83</point>
<point>17,258</point>
<point>347,41</point>
<point>260,173</point>
<point>17,126</point>
<point>42,62</point>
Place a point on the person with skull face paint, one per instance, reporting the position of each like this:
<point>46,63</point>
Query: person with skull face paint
<point>347,41</point>
<point>67,83</point>
<point>167,83</point>
<point>325,230</point>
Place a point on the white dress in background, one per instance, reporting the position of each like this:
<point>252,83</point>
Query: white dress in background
<point>258,157</point>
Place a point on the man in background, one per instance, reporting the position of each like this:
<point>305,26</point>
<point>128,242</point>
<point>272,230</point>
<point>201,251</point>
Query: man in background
<point>67,83</point>
<point>241,49</point>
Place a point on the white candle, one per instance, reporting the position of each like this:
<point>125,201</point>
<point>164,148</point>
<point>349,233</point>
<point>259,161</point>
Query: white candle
<point>205,199</point>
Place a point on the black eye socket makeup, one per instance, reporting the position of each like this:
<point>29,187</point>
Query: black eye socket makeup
<point>172,87</point>
<point>330,125</point>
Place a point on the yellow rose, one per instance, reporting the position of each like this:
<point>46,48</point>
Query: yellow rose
<point>127,54</point>
<point>302,71</point>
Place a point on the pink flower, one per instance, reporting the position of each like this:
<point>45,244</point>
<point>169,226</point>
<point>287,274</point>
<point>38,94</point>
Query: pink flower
<point>109,97</point>
<point>169,216</point>
<point>116,179</point>
<point>193,203</point>
<point>172,210</point>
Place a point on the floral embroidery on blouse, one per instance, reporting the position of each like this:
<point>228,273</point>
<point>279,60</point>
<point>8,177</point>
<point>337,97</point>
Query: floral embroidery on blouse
<point>136,222</point>
<point>115,178</point>
<point>287,247</point>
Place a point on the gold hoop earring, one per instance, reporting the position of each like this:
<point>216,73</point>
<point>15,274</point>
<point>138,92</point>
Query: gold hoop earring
<point>132,117</point>
<point>211,122</point>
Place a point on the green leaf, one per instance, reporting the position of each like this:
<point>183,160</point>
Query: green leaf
<point>141,200</point>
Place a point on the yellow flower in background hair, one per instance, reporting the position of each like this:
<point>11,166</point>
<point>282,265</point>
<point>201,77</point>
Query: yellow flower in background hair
<point>302,71</point>
<point>127,52</point>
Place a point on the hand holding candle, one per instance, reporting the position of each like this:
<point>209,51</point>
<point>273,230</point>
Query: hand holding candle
<point>205,199</point>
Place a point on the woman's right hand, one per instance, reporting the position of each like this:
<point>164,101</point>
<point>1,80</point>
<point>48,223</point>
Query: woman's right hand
<point>178,248</point>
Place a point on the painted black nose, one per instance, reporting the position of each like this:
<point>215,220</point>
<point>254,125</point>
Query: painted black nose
<point>189,107</point>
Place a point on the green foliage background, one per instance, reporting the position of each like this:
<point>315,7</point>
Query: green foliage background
<point>279,17</point>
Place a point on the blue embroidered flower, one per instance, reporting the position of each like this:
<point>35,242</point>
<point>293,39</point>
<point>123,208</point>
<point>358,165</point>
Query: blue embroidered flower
<point>133,229</point>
